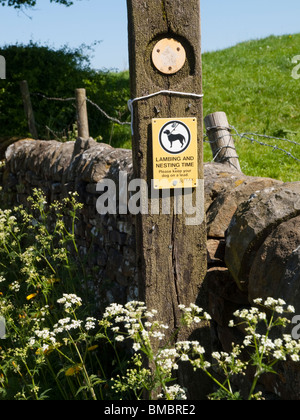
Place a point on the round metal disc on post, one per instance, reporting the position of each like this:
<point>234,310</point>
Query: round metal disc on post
<point>168,56</point>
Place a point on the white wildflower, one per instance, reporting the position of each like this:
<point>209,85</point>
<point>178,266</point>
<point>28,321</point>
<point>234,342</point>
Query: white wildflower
<point>70,300</point>
<point>270,302</point>
<point>258,301</point>
<point>115,329</point>
<point>113,310</point>
<point>216,355</point>
<point>64,321</point>
<point>158,334</point>
<point>15,286</point>
<point>31,342</point>
<point>175,392</point>
<point>45,348</point>
<point>183,345</point>
<point>136,347</point>
<point>207,316</point>
<point>90,323</point>
<point>279,309</point>
<point>199,349</point>
<point>262,316</point>
<point>278,342</point>
<point>248,340</point>
<point>279,355</point>
<point>120,338</point>
<point>295,358</point>
<point>74,325</point>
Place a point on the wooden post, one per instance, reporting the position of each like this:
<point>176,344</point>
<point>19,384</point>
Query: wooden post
<point>171,254</point>
<point>2,67</point>
<point>28,108</point>
<point>82,115</point>
<point>221,141</point>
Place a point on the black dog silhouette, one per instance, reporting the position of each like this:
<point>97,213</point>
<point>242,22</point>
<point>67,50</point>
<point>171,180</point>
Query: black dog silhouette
<point>175,137</point>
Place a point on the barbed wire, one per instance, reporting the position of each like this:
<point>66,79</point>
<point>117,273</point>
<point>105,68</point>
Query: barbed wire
<point>52,99</point>
<point>113,119</point>
<point>232,131</point>
<point>269,137</point>
<point>106,115</point>
<point>253,137</point>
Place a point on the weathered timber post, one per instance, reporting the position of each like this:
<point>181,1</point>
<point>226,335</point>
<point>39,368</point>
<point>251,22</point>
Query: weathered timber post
<point>82,114</point>
<point>28,108</point>
<point>165,60</point>
<point>221,141</point>
<point>2,67</point>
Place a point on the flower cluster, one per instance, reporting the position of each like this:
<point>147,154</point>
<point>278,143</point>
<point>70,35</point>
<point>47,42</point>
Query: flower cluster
<point>134,321</point>
<point>49,339</point>
<point>174,392</point>
<point>231,363</point>
<point>90,323</point>
<point>193,314</point>
<point>8,225</point>
<point>276,348</point>
<point>66,324</point>
<point>70,302</point>
<point>183,351</point>
<point>277,305</point>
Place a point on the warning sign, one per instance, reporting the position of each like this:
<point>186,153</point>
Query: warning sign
<point>175,157</point>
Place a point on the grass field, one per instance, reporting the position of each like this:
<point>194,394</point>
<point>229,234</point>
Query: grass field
<point>252,82</point>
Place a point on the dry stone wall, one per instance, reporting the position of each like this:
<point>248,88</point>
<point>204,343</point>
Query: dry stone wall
<point>253,229</point>
<point>59,168</point>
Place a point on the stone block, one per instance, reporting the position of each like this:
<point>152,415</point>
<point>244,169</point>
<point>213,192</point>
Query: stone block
<point>253,222</point>
<point>275,271</point>
<point>225,205</point>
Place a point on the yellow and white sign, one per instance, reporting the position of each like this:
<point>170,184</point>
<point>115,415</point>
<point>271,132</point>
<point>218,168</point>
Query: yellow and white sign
<point>175,157</point>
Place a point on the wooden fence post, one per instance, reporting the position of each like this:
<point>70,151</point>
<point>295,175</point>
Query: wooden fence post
<point>2,67</point>
<point>28,108</point>
<point>221,141</point>
<point>165,54</point>
<point>82,115</point>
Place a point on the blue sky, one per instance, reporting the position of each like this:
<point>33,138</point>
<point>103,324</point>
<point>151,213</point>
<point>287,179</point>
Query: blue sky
<point>224,23</point>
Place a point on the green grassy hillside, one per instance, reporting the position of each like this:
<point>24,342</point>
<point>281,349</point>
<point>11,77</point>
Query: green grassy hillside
<point>252,82</point>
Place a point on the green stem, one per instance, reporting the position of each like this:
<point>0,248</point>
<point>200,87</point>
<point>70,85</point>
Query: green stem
<point>260,357</point>
<point>32,379</point>
<point>87,378</point>
<point>217,382</point>
<point>64,395</point>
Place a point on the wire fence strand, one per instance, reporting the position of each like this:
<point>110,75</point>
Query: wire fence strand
<point>113,119</point>
<point>253,138</point>
<point>53,99</point>
<point>232,131</point>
